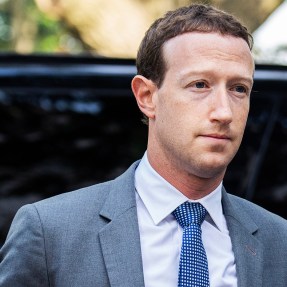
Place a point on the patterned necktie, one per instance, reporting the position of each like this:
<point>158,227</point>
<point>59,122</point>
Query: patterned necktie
<point>193,267</point>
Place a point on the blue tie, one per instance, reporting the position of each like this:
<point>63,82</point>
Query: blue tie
<point>193,267</point>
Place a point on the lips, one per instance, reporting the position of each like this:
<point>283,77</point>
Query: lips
<point>217,137</point>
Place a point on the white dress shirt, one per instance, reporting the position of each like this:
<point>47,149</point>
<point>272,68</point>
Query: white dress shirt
<point>161,235</point>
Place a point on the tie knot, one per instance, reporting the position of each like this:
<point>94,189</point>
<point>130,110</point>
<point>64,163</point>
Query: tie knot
<point>189,213</point>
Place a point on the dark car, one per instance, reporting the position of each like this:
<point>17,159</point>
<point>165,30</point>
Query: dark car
<point>71,121</point>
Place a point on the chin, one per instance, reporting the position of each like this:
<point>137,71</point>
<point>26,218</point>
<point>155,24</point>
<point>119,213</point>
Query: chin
<point>212,173</point>
<point>212,169</point>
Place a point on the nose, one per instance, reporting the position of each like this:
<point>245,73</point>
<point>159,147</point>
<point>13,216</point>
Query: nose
<point>221,110</point>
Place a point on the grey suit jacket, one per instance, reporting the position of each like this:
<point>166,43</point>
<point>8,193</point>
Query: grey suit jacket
<point>90,237</point>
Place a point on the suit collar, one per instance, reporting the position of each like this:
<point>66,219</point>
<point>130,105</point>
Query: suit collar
<point>122,194</point>
<point>248,251</point>
<point>120,238</point>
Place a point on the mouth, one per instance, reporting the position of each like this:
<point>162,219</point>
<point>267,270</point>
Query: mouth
<point>217,137</point>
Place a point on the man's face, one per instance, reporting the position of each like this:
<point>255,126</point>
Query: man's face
<point>202,105</point>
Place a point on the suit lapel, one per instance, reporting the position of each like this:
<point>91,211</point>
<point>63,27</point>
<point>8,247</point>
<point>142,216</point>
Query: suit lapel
<point>120,238</point>
<point>248,251</point>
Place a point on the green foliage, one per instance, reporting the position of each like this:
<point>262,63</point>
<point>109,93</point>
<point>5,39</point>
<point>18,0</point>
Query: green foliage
<point>5,27</point>
<point>49,34</point>
<point>43,34</point>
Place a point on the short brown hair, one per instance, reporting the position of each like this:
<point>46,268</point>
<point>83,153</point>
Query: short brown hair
<point>193,18</point>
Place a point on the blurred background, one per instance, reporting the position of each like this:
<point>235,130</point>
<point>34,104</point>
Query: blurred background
<point>67,115</point>
<point>115,28</point>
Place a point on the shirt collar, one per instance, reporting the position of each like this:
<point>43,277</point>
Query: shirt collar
<point>161,198</point>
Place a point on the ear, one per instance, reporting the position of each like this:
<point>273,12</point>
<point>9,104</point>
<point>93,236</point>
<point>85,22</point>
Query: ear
<point>144,92</point>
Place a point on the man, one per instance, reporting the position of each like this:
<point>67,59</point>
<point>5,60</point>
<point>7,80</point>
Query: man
<point>195,74</point>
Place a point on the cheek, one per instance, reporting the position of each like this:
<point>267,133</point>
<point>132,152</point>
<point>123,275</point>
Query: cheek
<point>167,109</point>
<point>239,128</point>
<point>244,115</point>
<point>240,113</point>
<point>175,121</point>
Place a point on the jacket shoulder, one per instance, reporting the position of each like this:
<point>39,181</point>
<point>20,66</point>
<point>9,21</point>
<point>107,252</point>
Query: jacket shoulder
<point>84,197</point>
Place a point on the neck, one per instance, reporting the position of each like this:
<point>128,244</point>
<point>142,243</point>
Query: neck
<point>190,185</point>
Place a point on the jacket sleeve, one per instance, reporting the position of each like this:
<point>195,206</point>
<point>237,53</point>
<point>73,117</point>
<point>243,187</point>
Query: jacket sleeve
<point>22,257</point>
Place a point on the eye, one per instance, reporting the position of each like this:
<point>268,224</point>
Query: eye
<point>200,85</point>
<point>240,89</point>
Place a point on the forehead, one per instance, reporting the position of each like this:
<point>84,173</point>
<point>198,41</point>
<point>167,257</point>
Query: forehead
<point>202,48</point>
